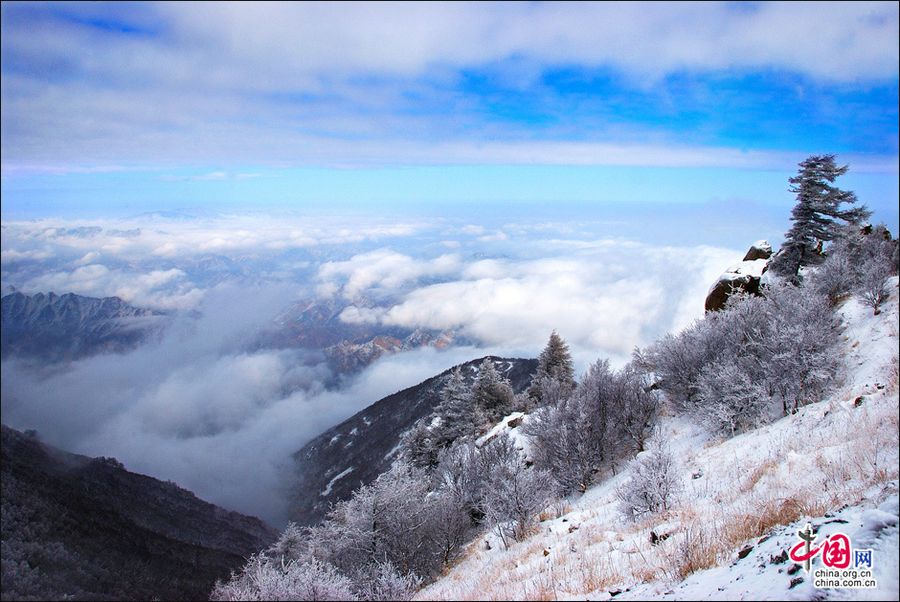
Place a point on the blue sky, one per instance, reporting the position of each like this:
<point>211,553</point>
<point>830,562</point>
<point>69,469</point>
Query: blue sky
<point>121,108</point>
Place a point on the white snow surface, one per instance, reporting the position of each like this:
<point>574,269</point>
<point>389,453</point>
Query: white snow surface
<point>762,245</point>
<point>745,268</point>
<point>520,439</point>
<point>835,460</point>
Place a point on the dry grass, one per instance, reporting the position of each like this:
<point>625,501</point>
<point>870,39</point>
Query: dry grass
<point>893,375</point>
<point>703,543</point>
<point>594,576</point>
<point>772,513</point>
<point>544,586</point>
<point>749,482</point>
<point>697,549</point>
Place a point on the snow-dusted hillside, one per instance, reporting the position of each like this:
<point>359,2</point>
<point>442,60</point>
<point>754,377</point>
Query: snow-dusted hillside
<point>833,464</point>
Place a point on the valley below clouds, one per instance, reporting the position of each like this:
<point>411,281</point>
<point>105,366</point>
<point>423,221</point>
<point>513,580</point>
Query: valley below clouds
<point>220,398</point>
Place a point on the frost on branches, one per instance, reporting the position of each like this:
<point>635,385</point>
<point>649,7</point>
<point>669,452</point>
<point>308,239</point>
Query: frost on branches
<point>653,486</point>
<point>270,578</point>
<point>737,368</point>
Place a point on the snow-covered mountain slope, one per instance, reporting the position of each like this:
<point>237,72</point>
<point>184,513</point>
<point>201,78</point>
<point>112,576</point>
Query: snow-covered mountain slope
<point>834,464</point>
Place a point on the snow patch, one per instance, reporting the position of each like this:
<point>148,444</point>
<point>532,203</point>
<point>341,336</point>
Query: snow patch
<point>327,491</point>
<point>500,427</point>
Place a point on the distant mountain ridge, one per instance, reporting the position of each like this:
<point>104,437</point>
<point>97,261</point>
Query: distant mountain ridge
<point>86,528</point>
<point>348,346</point>
<point>355,452</point>
<point>348,357</point>
<point>59,327</point>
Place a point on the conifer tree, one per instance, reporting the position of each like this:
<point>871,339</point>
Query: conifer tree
<point>554,364</point>
<point>456,411</point>
<point>492,394</point>
<point>819,205</point>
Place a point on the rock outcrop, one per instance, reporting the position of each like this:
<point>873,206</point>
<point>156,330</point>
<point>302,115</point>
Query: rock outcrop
<point>743,277</point>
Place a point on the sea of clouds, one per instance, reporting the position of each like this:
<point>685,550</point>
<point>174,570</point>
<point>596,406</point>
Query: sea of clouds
<point>201,407</point>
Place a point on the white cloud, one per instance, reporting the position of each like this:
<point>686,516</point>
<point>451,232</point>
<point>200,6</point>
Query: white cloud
<point>156,289</point>
<point>141,237</point>
<point>190,409</point>
<point>88,258</point>
<point>13,255</point>
<point>197,408</point>
<point>494,236</point>
<point>607,298</point>
<point>228,61</point>
<point>853,40</point>
<point>384,269</point>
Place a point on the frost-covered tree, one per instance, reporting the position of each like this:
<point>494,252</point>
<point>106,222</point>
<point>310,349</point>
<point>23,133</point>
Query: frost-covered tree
<point>449,522</point>
<point>514,493</point>
<point>382,522</point>
<point>453,418</point>
<point>569,437</point>
<point>492,394</point>
<point>555,365</point>
<point>856,260</point>
<point>873,284</point>
<point>606,418</point>
<point>566,442</point>
<point>639,405</point>
<point>731,401</point>
<point>290,545</point>
<point>267,578</point>
<point>835,278</point>
<point>599,393</point>
<point>653,485</point>
<point>455,410</point>
<point>462,475</point>
<point>795,346</point>
<point>384,582</point>
<point>420,445</point>
<point>818,214</point>
<point>779,350</point>
<point>677,360</point>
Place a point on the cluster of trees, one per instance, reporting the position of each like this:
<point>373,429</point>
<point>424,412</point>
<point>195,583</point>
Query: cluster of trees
<point>859,261</point>
<point>737,367</point>
<point>760,357</point>
<point>402,528</point>
<point>414,519</point>
<point>465,411</point>
<point>604,418</point>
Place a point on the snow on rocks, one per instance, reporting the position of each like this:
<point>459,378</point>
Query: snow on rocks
<point>509,424</point>
<point>744,276</point>
<point>761,249</point>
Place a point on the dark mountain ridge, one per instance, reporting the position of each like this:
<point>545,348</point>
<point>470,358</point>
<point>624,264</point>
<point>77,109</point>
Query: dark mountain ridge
<point>86,528</point>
